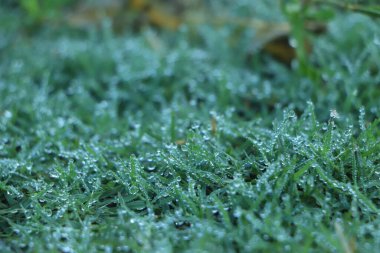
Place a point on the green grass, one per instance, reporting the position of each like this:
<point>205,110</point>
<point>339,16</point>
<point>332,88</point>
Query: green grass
<point>109,144</point>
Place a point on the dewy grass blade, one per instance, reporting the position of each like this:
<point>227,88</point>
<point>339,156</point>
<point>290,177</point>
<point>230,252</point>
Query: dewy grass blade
<point>347,189</point>
<point>208,144</point>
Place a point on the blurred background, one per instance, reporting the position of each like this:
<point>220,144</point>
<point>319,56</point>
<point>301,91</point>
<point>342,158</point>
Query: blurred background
<point>252,25</point>
<point>278,27</point>
<point>254,47</point>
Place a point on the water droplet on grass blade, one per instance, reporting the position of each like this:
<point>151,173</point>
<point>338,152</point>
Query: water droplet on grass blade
<point>133,190</point>
<point>151,168</point>
<point>54,175</point>
<point>362,118</point>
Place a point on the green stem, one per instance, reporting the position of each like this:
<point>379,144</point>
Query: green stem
<point>373,10</point>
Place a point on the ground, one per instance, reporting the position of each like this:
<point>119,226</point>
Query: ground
<point>162,141</point>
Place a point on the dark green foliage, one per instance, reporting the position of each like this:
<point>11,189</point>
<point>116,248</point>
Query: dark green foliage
<point>110,145</point>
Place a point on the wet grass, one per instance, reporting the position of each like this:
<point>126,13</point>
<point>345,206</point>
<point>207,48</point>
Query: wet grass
<point>112,144</point>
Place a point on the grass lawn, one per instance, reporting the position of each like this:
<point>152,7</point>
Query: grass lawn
<point>159,141</point>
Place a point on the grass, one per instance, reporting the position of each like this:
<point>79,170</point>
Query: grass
<point>112,144</point>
